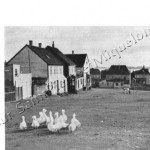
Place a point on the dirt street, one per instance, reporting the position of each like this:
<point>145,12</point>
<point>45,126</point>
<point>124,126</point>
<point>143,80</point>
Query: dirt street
<point>110,120</point>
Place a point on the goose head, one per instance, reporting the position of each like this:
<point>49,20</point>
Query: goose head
<point>50,113</point>
<point>63,111</point>
<point>56,114</point>
<point>23,118</point>
<point>44,110</point>
<point>74,115</point>
<point>34,117</point>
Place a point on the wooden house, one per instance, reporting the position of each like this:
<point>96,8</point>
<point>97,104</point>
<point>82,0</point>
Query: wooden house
<point>68,67</point>
<point>82,70</point>
<point>46,69</point>
<point>141,76</point>
<point>95,77</point>
<point>118,76</point>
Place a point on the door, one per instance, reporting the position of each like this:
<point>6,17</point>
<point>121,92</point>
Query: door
<point>57,86</point>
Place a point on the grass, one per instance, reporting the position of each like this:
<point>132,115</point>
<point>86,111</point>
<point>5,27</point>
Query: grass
<point>110,120</point>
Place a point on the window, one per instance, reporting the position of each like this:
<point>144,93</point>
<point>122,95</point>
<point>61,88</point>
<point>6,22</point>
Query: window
<point>16,72</point>
<point>60,70</point>
<point>51,70</point>
<point>107,83</point>
<point>55,69</point>
<point>117,84</point>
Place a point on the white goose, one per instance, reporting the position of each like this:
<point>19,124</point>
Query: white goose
<point>23,124</point>
<point>50,124</point>
<point>35,123</point>
<point>56,117</point>
<point>61,120</point>
<point>41,119</point>
<point>75,121</point>
<point>64,115</point>
<point>44,114</point>
<point>72,127</point>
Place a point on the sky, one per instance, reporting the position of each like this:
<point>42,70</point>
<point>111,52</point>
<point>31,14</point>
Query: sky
<point>92,40</point>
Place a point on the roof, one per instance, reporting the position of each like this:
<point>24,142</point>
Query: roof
<point>57,53</point>
<point>43,53</point>
<point>78,59</point>
<point>118,70</point>
<point>142,71</point>
<point>46,55</point>
<point>94,71</point>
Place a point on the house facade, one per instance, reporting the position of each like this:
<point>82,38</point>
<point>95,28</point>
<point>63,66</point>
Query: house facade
<point>69,68</point>
<point>141,76</point>
<point>83,78</point>
<point>118,76</point>
<point>95,77</point>
<point>44,67</point>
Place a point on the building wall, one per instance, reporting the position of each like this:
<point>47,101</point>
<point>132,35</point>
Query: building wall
<point>24,81</point>
<point>16,72</point>
<point>86,70</point>
<point>108,77</point>
<point>9,83</point>
<point>140,76</point>
<point>105,84</point>
<point>72,70</point>
<point>148,79</point>
<point>79,70</point>
<point>28,60</point>
<point>79,83</point>
<point>57,81</point>
<point>118,85</point>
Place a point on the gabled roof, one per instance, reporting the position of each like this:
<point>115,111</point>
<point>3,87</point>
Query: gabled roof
<point>142,71</point>
<point>57,53</point>
<point>94,71</point>
<point>118,70</point>
<point>78,59</point>
<point>46,55</point>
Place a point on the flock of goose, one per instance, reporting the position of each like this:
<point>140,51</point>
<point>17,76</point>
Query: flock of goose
<point>54,124</point>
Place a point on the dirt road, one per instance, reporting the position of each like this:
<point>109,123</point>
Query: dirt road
<point>110,120</point>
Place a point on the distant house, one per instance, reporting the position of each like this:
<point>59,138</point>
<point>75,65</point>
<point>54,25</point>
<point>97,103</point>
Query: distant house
<point>118,76</point>
<point>141,76</point>
<point>103,74</point>
<point>47,71</point>
<point>95,77</point>
<point>82,70</point>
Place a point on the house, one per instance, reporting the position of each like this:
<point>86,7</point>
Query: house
<point>17,84</point>
<point>118,76</point>
<point>68,67</point>
<point>95,77</point>
<point>46,69</point>
<point>141,76</point>
<point>82,70</point>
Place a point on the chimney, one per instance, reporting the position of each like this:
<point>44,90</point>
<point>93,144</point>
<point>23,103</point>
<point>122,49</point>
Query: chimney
<point>30,42</point>
<point>72,52</point>
<point>53,44</point>
<point>40,45</point>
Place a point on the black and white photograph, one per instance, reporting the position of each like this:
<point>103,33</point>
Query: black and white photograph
<point>76,87</point>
